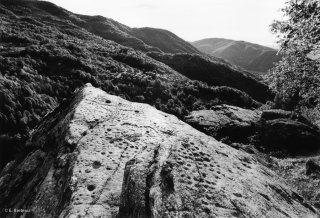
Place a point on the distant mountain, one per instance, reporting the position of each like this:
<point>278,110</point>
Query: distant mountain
<point>144,39</point>
<point>164,40</point>
<point>252,57</point>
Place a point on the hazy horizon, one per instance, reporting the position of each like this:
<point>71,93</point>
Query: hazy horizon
<point>245,20</point>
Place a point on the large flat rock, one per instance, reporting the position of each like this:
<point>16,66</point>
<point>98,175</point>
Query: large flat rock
<point>226,122</point>
<point>98,155</point>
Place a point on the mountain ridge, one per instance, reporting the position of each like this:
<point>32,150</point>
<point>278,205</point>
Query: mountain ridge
<point>144,39</point>
<point>250,56</point>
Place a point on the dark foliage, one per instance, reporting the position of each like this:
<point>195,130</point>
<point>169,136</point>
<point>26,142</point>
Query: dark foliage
<point>10,147</point>
<point>200,68</point>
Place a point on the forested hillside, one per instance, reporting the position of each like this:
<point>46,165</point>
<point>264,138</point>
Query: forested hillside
<point>144,39</point>
<point>215,73</point>
<point>44,57</point>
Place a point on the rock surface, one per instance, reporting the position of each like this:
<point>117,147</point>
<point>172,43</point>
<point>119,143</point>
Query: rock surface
<point>287,132</point>
<point>271,130</point>
<point>98,155</point>
<point>312,167</point>
<point>226,121</point>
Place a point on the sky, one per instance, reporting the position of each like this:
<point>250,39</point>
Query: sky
<point>192,20</point>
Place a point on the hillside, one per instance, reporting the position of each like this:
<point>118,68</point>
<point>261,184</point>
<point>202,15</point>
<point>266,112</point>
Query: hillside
<point>99,155</point>
<point>165,40</point>
<point>44,57</point>
<point>144,39</point>
<point>215,73</point>
<point>249,56</point>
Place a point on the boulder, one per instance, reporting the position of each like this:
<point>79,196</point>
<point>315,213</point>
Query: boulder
<point>226,121</point>
<point>274,131</point>
<point>282,114</point>
<point>312,167</point>
<point>287,132</point>
<point>98,155</point>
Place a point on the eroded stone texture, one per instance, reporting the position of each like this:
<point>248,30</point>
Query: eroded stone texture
<point>98,153</point>
<point>226,122</point>
<point>193,175</point>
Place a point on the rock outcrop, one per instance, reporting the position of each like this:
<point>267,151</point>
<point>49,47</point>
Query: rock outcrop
<point>98,155</point>
<point>287,132</point>
<point>270,130</point>
<point>226,122</point>
<point>312,167</point>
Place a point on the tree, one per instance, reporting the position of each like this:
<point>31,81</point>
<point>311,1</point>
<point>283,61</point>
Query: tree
<point>296,78</point>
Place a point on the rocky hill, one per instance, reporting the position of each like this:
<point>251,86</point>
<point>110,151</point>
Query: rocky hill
<point>98,155</point>
<point>252,57</point>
